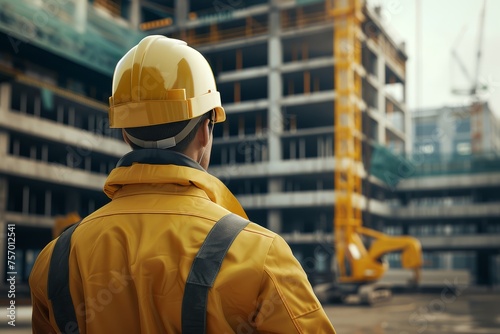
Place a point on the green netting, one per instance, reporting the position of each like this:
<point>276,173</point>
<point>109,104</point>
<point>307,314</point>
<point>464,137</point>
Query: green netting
<point>450,164</point>
<point>51,26</point>
<point>388,167</point>
<point>391,168</point>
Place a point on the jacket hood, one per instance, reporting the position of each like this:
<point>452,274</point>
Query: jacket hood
<point>155,166</point>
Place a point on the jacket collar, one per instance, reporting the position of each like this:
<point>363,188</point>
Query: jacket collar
<point>156,166</point>
<point>157,157</point>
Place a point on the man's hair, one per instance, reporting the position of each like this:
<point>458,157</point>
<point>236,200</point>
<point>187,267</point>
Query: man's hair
<point>163,131</point>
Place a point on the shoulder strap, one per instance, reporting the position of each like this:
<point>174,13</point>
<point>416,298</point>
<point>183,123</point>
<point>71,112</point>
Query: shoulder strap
<point>58,283</point>
<point>204,270</point>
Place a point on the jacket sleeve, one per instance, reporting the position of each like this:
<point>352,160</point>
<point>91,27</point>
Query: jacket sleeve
<point>40,319</point>
<point>286,302</point>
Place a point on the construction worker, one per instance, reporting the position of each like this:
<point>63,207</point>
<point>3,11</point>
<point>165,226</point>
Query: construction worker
<point>173,251</point>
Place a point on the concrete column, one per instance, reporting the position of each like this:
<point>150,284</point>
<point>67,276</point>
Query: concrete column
<point>5,93</point>
<point>4,143</point>
<point>3,209</point>
<point>274,220</point>
<point>447,261</point>
<point>37,106</point>
<point>80,15</point>
<point>26,200</point>
<point>4,190</point>
<point>408,130</point>
<point>381,64</point>
<point>48,203</point>
<point>135,14</point>
<point>72,201</point>
<point>181,13</point>
<point>275,118</point>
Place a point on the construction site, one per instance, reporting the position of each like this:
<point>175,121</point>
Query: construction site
<point>319,146</point>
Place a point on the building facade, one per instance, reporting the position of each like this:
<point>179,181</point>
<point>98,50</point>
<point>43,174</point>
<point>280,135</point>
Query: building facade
<point>55,144</point>
<point>458,131</point>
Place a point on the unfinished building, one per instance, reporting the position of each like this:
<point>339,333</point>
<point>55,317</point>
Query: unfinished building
<point>274,63</point>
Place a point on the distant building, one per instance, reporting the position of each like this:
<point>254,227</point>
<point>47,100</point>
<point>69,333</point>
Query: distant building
<point>450,197</point>
<point>456,131</point>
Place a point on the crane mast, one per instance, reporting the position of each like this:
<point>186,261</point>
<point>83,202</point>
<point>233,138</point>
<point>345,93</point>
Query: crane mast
<point>348,16</point>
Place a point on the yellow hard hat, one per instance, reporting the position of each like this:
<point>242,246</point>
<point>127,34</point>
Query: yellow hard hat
<point>162,80</point>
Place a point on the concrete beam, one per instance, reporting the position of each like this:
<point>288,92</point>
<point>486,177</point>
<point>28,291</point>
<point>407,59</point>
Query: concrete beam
<point>277,168</point>
<point>316,97</point>
<point>309,238</point>
<point>243,74</point>
<point>308,64</point>
<point>246,106</point>
<point>309,30</point>
<point>307,199</point>
<point>232,44</point>
<point>449,182</point>
<point>52,173</point>
<point>63,134</point>
<point>461,242</point>
<point>286,200</point>
<point>453,211</point>
<point>29,220</point>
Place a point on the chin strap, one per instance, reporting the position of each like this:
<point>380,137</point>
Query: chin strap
<point>164,143</point>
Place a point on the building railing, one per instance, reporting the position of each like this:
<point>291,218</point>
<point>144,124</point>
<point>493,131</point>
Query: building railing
<point>300,19</point>
<point>251,28</point>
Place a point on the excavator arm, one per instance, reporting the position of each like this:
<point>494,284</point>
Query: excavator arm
<point>358,264</point>
<point>410,248</point>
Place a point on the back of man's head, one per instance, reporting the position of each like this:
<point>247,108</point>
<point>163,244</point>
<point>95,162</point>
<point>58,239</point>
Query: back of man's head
<point>163,91</point>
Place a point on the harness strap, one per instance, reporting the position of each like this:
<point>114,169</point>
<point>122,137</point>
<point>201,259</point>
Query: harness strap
<point>58,284</point>
<point>204,270</point>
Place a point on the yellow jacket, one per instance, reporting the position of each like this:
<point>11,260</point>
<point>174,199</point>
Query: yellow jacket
<point>130,259</point>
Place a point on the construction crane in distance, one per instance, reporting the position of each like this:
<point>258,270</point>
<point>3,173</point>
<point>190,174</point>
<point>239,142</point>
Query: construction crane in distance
<point>475,87</point>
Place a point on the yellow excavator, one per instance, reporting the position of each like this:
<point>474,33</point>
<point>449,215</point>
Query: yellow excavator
<point>358,261</point>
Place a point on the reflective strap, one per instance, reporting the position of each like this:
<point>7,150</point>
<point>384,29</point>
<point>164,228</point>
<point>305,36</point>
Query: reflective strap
<point>58,284</point>
<point>167,142</point>
<point>204,270</point>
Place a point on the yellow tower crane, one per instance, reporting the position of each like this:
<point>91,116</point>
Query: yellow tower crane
<point>357,268</point>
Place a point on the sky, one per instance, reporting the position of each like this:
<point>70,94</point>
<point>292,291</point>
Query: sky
<point>432,72</point>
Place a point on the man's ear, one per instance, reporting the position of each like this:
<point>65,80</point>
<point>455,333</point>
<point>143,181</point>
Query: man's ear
<point>204,133</point>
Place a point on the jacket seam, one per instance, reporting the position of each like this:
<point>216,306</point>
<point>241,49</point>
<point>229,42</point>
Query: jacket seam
<point>283,300</point>
<point>306,313</point>
<point>282,297</point>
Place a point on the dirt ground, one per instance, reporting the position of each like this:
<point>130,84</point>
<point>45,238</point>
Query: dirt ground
<point>443,313</point>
